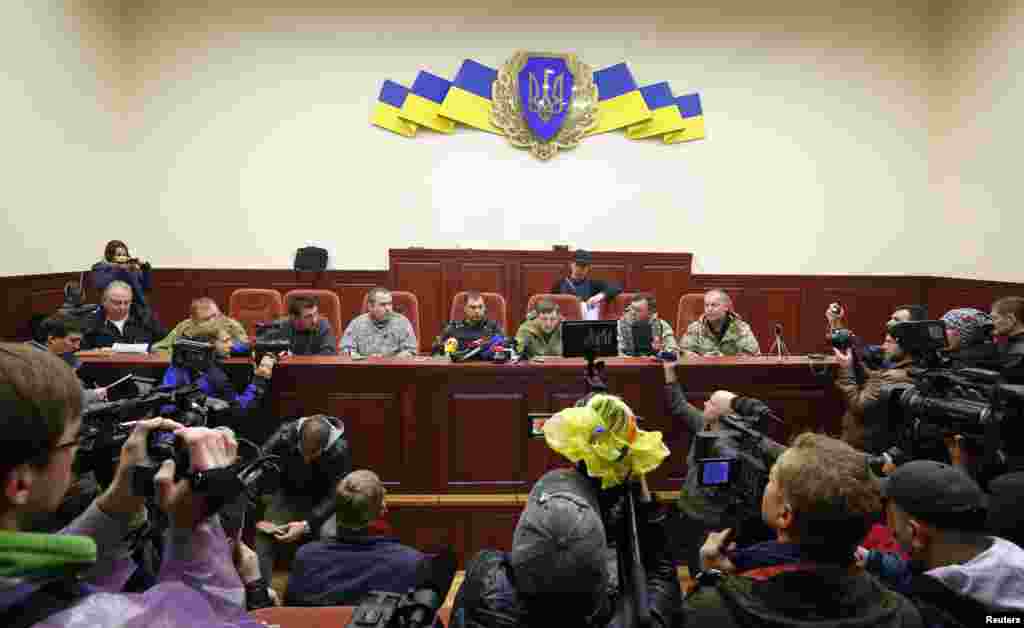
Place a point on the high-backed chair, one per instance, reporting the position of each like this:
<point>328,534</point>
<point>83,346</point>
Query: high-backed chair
<point>330,306</point>
<point>568,305</point>
<point>617,307</point>
<point>249,306</point>
<point>406,304</point>
<point>496,309</point>
<point>691,308</point>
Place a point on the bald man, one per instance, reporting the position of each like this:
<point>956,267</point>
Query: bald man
<point>720,331</point>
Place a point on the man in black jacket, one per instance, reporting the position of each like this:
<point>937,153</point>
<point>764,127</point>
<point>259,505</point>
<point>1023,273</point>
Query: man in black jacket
<point>1008,322</point>
<point>474,325</point>
<point>591,292</point>
<point>558,571</point>
<point>821,500</point>
<point>117,320</point>
<point>305,330</point>
<point>315,455</point>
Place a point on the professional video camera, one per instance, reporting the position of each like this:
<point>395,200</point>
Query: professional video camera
<point>105,427</point>
<point>192,354</point>
<point>973,403</point>
<point>415,609</point>
<point>738,476</point>
<point>271,339</point>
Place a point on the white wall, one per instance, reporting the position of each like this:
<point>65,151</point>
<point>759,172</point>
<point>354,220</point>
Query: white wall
<point>245,134</point>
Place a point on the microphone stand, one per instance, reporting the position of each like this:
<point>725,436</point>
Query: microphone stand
<point>779,346</point>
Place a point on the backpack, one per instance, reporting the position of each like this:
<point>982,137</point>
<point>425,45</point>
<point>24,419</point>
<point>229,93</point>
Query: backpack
<point>311,258</point>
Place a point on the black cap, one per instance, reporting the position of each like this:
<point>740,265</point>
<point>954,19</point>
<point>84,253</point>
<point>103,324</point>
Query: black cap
<point>1005,518</point>
<point>583,257</point>
<point>934,492</point>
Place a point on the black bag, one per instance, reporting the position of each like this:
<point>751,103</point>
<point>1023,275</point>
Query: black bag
<point>311,258</point>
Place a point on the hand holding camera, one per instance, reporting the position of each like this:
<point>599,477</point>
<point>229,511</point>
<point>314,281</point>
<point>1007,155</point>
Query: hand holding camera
<point>265,368</point>
<point>120,498</point>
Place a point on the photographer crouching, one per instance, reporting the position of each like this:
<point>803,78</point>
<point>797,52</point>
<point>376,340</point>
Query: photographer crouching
<point>701,509</point>
<point>73,577</point>
<point>820,500</point>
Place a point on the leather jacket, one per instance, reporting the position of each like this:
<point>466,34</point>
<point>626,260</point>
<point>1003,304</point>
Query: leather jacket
<point>317,480</point>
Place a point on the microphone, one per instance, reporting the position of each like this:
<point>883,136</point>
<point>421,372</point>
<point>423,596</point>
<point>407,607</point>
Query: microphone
<point>778,330</point>
<point>433,579</point>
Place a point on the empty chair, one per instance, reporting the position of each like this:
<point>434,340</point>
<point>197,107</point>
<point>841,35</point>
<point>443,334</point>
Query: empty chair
<point>691,308</point>
<point>249,306</point>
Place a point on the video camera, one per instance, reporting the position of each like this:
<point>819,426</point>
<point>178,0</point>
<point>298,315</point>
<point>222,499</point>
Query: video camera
<point>271,339</point>
<point>415,609</point>
<point>104,427</point>
<point>194,355</point>
<point>738,476</point>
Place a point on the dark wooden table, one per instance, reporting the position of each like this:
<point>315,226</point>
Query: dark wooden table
<point>428,426</point>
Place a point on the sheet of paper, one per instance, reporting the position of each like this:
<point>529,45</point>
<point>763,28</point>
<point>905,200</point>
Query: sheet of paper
<point>591,312</point>
<point>130,348</point>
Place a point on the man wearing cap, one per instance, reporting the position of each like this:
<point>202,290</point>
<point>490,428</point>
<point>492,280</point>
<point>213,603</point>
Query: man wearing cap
<point>958,573</point>
<point>342,570</point>
<point>590,292</point>
<point>557,573</point>
<point>821,501</point>
<point>969,337</point>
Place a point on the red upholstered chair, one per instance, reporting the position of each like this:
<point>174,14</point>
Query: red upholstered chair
<point>691,308</point>
<point>406,304</point>
<point>617,307</point>
<point>495,303</point>
<point>330,306</point>
<point>249,306</point>
<point>317,616</point>
<point>568,305</point>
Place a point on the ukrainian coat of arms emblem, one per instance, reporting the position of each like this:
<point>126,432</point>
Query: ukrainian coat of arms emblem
<point>544,102</point>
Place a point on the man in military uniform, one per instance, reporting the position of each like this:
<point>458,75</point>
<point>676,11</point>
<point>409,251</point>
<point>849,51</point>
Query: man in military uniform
<point>720,331</point>
<point>541,334</point>
<point>474,326</point>
<point>591,292</point>
<point>644,311</point>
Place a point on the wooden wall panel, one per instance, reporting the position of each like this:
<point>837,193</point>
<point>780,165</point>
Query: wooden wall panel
<point>487,441</point>
<point>538,279</point>
<point>427,281</point>
<point>377,439</point>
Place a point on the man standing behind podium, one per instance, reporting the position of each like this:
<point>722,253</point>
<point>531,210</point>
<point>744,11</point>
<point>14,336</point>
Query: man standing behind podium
<point>591,292</point>
<point>381,331</point>
<point>720,331</point>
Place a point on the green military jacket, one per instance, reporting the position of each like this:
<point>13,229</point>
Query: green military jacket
<point>532,341</point>
<point>738,338</point>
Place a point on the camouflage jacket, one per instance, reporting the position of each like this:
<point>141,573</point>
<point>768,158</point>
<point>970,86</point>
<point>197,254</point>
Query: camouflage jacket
<point>738,338</point>
<point>659,329</point>
<point>185,328</point>
<point>532,341</point>
<point>365,337</point>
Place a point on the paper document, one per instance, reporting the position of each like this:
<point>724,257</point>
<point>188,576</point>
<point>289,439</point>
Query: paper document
<point>591,312</point>
<point>141,347</point>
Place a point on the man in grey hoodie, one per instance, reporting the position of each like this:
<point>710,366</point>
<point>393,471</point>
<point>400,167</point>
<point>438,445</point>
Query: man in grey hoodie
<point>958,575</point>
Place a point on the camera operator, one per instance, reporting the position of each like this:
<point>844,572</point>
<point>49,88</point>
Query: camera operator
<point>73,578</point>
<point>969,338</point>
<point>558,570</point>
<point>1008,322</point>
<point>64,339</point>
<point>958,572</point>
<point>214,381</point>
<point>315,456</point>
<point>835,315</point>
<point>118,265</point>
<point>699,511</point>
<point>820,500</point>
<point>860,431</point>
<point>117,320</point>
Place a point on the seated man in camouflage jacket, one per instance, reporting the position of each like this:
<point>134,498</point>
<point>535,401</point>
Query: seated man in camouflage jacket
<point>643,310</point>
<point>720,331</point>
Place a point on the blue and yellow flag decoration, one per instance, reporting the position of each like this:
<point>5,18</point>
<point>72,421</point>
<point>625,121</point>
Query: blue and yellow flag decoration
<point>693,116</point>
<point>620,102</point>
<point>666,116</point>
<point>469,99</point>
<point>423,103</point>
<point>389,103</point>
<point>544,102</point>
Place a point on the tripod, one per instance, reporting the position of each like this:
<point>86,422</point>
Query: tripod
<point>779,347</point>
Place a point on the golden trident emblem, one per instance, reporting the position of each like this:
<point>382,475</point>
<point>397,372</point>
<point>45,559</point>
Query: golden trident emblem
<point>548,100</point>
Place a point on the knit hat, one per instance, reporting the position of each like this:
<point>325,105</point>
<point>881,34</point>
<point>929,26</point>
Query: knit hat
<point>974,326</point>
<point>558,545</point>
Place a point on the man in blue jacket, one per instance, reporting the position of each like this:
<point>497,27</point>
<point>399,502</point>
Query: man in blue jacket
<point>342,570</point>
